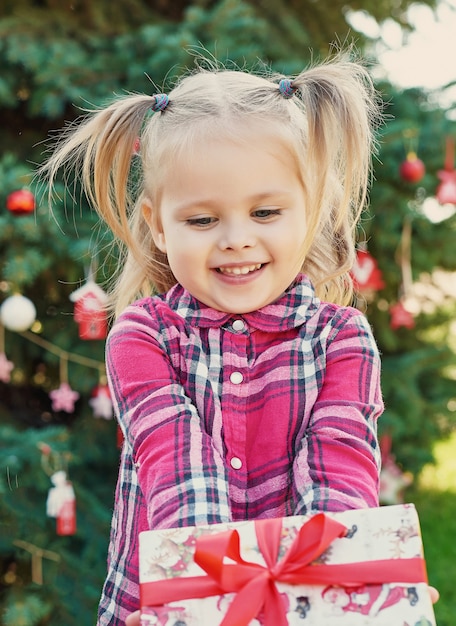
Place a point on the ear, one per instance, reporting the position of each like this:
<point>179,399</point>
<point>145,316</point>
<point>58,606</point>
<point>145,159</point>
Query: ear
<point>152,218</point>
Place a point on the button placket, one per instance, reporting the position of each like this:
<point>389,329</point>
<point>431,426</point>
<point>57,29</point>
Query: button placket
<point>235,399</point>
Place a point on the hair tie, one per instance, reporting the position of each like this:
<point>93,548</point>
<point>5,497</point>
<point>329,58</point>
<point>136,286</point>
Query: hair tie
<point>286,88</point>
<point>161,101</point>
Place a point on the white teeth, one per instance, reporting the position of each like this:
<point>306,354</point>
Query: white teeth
<point>237,271</point>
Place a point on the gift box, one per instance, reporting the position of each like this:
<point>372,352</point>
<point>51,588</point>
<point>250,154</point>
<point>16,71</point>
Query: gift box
<point>362,567</point>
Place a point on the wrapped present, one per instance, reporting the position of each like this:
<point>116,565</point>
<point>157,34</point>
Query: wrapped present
<point>363,567</point>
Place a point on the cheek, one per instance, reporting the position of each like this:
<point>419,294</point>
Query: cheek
<point>187,243</point>
<point>182,256</point>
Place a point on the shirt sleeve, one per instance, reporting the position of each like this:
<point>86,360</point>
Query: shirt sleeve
<point>180,473</point>
<point>337,466</point>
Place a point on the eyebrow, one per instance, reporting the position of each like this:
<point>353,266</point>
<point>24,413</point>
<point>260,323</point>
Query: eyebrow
<point>209,203</point>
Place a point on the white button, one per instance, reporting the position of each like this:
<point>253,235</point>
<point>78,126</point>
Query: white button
<point>236,378</point>
<point>238,325</point>
<point>236,463</point>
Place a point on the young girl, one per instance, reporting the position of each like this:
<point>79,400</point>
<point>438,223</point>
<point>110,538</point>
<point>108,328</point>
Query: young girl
<point>245,388</point>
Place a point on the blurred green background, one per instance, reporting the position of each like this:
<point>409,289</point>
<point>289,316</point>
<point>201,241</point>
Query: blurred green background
<point>58,58</point>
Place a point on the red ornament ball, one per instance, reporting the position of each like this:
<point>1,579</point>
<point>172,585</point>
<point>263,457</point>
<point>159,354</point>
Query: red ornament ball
<point>412,169</point>
<point>21,202</point>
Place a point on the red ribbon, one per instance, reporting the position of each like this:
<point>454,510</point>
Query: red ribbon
<point>255,585</point>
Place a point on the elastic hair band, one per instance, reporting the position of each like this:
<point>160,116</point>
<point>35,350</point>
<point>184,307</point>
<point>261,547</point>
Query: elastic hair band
<point>286,88</point>
<point>161,101</point>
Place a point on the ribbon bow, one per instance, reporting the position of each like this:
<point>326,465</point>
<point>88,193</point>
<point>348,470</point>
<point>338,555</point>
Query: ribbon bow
<point>255,584</point>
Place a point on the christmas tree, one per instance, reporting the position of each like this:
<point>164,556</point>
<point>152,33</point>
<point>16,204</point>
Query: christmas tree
<point>59,60</point>
<point>409,233</point>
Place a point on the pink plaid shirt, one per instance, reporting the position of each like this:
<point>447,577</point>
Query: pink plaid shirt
<point>266,414</point>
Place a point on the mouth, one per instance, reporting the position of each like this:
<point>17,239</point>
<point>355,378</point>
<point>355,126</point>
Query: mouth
<point>239,270</point>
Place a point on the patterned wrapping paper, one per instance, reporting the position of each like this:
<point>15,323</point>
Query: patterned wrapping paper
<point>386,533</point>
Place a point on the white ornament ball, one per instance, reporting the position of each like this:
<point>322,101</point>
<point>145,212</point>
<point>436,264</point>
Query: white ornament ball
<point>17,313</point>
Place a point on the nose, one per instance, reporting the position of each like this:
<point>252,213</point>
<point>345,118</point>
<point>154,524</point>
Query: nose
<point>236,234</point>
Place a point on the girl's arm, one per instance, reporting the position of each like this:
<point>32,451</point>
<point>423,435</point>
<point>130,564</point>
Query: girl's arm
<point>180,473</point>
<point>337,466</point>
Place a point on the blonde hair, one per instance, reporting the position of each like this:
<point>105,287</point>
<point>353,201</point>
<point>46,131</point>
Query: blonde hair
<point>328,122</point>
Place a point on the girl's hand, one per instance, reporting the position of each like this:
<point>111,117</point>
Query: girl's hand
<point>433,592</point>
<point>133,619</point>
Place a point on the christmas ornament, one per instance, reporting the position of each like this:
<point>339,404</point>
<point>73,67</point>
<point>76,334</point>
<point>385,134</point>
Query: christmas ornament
<point>446,191</point>
<point>6,368</point>
<point>90,311</point>
<point>101,402</point>
<point>412,169</point>
<point>63,398</point>
<point>400,317</point>
<point>61,504</point>
<point>17,313</point>
<point>20,202</point>
<point>365,273</point>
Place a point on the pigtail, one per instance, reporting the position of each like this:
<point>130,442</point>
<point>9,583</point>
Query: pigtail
<point>99,151</point>
<point>341,108</point>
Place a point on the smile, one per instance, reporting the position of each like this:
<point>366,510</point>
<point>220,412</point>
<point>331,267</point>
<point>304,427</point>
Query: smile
<point>239,270</point>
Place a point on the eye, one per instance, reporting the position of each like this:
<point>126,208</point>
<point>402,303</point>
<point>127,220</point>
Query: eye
<point>201,222</point>
<point>264,214</point>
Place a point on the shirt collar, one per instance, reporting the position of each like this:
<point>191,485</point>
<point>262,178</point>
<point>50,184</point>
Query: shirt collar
<point>294,307</point>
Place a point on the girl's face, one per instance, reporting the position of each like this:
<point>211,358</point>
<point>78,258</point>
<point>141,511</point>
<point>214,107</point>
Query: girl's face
<point>232,223</point>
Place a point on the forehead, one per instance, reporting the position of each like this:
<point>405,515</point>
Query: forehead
<point>224,162</point>
<point>184,148</point>
<point>223,135</point>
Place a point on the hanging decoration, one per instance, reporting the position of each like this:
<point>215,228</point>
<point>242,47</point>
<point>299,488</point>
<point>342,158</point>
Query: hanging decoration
<point>64,398</point>
<point>101,402</point>
<point>17,313</point>
<point>446,191</point>
<point>90,311</point>
<point>20,202</point>
<point>367,277</point>
<point>6,367</point>
<point>412,169</point>
<point>61,500</point>
<point>61,504</point>
<point>400,316</point>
